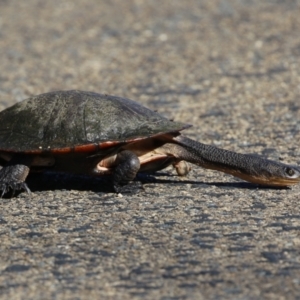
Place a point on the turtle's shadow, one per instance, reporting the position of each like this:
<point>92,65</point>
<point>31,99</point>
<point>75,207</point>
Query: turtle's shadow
<point>225,185</point>
<point>38,182</point>
<point>56,181</point>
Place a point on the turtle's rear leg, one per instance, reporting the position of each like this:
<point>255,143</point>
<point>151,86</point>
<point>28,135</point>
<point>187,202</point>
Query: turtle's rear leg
<point>13,175</point>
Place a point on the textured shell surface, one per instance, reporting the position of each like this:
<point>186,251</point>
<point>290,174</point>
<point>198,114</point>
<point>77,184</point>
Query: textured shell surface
<point>72,118</point>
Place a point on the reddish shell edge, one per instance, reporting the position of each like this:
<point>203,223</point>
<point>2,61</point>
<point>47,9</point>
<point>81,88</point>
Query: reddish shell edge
<point>79,149</point>
<point>87,147</point>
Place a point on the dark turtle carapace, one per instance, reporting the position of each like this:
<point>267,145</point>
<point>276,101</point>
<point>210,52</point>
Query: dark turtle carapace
<point>88,133</point>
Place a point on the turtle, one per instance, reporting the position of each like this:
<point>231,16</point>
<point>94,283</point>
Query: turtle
<point>97,134</point>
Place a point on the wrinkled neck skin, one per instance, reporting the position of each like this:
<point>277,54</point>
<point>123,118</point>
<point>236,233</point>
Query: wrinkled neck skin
<point>248,167</point>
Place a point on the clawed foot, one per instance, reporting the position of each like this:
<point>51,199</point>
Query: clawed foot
<point>12,177</point>
<point>14,186</point>
<point>132,187</point>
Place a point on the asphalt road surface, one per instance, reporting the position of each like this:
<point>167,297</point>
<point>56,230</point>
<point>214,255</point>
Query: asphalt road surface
<point>229,67</point>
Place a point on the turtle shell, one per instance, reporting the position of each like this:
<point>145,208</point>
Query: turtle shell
<point>64,120</point>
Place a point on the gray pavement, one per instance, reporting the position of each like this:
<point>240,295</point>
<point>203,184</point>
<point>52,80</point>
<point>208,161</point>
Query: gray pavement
<point>232,69</point>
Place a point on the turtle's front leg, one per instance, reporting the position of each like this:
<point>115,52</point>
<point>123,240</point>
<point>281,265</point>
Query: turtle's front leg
<point>13,175</point>
<point>127,166</point>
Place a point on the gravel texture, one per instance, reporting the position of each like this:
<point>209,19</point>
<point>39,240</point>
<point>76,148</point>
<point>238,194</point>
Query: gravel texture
<point>229,67</point>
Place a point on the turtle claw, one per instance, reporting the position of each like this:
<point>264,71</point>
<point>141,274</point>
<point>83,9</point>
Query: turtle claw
<point>12,177</point>
<point>132,187</point>
<point>5,187</point>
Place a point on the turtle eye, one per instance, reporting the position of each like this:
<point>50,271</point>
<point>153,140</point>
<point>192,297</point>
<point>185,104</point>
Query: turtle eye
<point>289,172</point>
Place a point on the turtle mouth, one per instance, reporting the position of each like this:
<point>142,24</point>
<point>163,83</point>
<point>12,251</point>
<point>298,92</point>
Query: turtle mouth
<point>276,182</point>
<point>281,177</point>
<point>272,181</point>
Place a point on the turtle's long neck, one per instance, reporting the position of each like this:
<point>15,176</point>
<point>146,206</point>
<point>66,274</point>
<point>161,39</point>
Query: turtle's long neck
<point>248,167</point>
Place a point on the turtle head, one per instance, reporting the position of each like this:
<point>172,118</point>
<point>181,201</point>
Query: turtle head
<point>289,175</point>
<point>274,174</point>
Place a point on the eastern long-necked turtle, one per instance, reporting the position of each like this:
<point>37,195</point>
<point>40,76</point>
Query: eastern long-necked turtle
<point>90,133</point>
